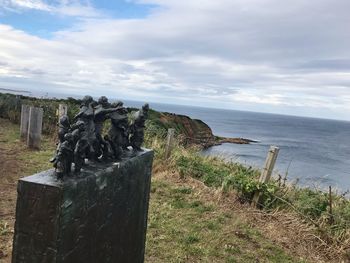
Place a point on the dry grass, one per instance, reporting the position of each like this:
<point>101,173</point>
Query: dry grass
<point>189,222</point>
<point>286,230</point>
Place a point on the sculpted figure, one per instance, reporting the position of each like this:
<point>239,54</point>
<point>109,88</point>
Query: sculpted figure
<point>86,115</point>
<point>64,157</point>
<point>81,142</point>
<point>118,132</point>
<point>63,127</point>
<point>108,151</point>
<point>137,127</point>
<point>102,113</point>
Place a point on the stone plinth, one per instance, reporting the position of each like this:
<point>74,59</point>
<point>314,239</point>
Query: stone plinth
<point>101,216</point>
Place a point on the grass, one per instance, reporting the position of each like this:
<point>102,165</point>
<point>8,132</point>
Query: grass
<point>4,228</point>
<point>185,227</point>
<point>309,203</point>
<point>32,161</point>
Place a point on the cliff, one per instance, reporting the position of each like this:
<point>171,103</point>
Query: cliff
<point>191,131</point>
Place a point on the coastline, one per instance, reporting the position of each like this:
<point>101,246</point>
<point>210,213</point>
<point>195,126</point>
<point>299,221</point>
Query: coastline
<point>236,140</point>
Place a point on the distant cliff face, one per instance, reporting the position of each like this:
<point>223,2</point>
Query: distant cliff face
<point>189,131</point>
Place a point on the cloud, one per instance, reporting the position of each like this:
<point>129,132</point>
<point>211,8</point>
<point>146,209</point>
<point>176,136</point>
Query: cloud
<point>26,4</point>
<point>60,7</point>
<point>246,54</point>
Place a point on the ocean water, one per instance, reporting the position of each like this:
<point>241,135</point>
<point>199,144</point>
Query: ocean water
<point>316,152</point>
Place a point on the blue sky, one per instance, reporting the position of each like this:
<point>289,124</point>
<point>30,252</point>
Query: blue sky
<point>43,23</point>
<point>288,57</point>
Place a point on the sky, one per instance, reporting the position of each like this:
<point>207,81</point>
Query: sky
<point>288,57</point>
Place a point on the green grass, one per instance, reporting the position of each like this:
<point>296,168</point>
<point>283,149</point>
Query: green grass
<point>308,203</point>
<point>4,228</point>
<point>36,161</point>
<point>32,161</point>
<point>183,228</point>
<point>9,134</point>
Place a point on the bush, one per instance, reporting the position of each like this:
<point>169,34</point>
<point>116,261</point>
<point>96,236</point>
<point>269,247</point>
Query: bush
<point>311,203</point>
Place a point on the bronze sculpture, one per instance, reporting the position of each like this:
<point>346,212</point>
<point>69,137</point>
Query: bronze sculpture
<point>101,113</point>
<point>118,132</point>
<point>63,127</point>
<point>64,158</point>
<point>84,138</point>
<point>137,127</point>
<point>81,149</point>
<point>86,115</point>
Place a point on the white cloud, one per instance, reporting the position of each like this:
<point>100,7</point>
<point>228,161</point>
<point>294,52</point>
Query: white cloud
<point>229,53</point>
<point>61,7</point>
<point>28,4</point>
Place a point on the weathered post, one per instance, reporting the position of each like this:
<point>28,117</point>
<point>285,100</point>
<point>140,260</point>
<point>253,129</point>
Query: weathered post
<point>62,110</point>
<point>169,142</point>
<point>35,127</point>
<point>24,121</point>
<point>331,217</point>
<point>266,172</point>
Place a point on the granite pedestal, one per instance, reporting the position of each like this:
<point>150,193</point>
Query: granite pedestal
<point>100,216</point>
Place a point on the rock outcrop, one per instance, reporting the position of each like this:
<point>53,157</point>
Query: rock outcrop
<point>193,131</point>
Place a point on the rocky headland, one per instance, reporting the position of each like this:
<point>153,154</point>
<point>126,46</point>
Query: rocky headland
<point>193,131</point>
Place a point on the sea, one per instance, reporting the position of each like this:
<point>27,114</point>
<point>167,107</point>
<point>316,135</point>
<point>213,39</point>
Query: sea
<point>313,152</point>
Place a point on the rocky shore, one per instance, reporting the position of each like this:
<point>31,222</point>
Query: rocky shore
<point>221,140</point>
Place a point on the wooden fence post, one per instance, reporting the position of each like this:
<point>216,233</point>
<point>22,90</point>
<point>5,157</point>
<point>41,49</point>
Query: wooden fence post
<point>331,217</point>
<point>24,121</point>
<point>62,110</point>
<point>169,142</point>
<point>266,172</point>
<point>35,127</point>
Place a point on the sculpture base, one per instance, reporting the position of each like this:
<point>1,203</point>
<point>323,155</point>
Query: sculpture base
<point>99,216</point>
